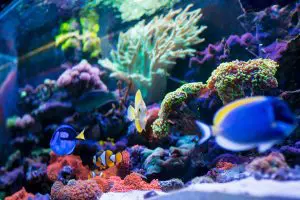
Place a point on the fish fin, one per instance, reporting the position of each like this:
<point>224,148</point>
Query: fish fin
<point>223,112</point>
<point>109,162</point>
<point>113,158</point>
<point>103,158</point>
<point>138,99</point>
<point>80,136</point>
<point>119,157</point>
<point>232,146</point>
<point>265,146</point>
<point>205,130</point>
<point>138,126</point>
<point>131,113</point>
<point>284,128</point>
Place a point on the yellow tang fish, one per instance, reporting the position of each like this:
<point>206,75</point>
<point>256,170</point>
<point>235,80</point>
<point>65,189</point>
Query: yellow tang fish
<point>106,159</point>
<point>138,113</point>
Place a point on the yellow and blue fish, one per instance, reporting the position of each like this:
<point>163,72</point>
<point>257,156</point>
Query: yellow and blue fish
<point>106,159</point>
<point>64,139</point>
<point>249,123</point>
<point>138,114</point>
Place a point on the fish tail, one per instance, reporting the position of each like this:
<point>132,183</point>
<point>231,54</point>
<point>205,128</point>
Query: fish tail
<point>119,158</point>
<point>205,130</point>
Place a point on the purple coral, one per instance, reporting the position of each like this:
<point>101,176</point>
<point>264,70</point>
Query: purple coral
<point>228,49</point>
<point>81,78</point>
<point>24,122</point>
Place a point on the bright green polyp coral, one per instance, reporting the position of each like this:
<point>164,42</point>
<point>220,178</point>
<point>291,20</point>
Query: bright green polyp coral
<point>147,52</point>
<point>172,101</point>
<point>232,80</point>
<point>81,34</point>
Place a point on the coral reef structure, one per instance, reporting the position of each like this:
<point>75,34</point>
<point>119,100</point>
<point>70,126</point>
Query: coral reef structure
<point>239,79</point>
<point>146,52</point>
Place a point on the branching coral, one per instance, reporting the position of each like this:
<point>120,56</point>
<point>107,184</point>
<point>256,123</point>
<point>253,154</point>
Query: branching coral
<point>76,190</point>
<point>135,9</point>
<point>233,80</point>
<point>172,101</point>
<point>146,52</point>
<point>81,35</point>
<point>80,78</point>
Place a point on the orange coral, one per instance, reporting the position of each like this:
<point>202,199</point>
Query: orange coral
<point>20,195</point>
<point>103,183</point>
<point>58,162</point>
<point>132,182</point>
<point>224,165</point>
<point>76,190</point>
<point>122,169</point>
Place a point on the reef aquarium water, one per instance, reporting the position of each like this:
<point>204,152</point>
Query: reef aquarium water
<point>149,99</point>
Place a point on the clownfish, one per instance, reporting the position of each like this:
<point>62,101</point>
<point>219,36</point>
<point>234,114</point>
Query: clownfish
<point>138,114</point>
<point>249,123</point>
<point>106,159</point>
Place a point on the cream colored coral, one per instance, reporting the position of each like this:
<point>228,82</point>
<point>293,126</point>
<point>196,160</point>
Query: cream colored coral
<point>147,52</point>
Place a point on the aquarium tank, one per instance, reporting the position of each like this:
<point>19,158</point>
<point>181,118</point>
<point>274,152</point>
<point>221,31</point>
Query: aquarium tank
<point>149,99</point>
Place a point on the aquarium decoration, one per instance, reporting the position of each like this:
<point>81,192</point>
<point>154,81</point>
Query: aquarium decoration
<point>146,53</point>
<point>151,109</point>
<point>81,35</point>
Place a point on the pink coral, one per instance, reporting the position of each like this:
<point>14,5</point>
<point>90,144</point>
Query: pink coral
<point>132,182</point>
<point>269,164</point>
<point>25,122</point>
<point>76,190</point>
<point>224,165</point>
<point>82,77</point>
<point>20,195</point>
<point>58,162</point>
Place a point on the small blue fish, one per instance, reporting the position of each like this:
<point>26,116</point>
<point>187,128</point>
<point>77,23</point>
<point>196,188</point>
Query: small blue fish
<point>63,141</point>
<point>250,122</point>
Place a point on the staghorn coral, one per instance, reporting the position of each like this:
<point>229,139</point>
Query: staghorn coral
<point>57,163</point>
<point>232,80</point>
<point>20,195</point>
<point>76,190</point>
<point>172,101</point>
<point>81,78</point>
<point>147,52</point>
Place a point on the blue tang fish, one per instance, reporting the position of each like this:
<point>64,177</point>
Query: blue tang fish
<point>63,141</point>
<point>249,123</point>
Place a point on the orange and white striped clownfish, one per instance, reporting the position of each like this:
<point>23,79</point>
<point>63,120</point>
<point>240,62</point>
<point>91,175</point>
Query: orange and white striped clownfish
<point>106,159</point>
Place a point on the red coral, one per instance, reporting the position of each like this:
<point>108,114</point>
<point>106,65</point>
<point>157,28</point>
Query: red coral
<point>132,182</point>
<point>103,183</point>
<point>122,169</point>
<point>152,115</point>
<point>76,190</point>
<point>58,162</point>
<point>20,195</point>
<point>224,165</point>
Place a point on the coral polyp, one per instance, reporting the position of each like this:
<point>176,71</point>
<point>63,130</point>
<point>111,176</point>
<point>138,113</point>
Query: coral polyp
<point>237,79</point>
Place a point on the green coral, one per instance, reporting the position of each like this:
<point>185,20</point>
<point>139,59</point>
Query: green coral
<point>11,121</point>
<point>172,101</point>
<point>232,80</point>
<point>134,9</point>
<point>147,52</point>
<point>81,34</point>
